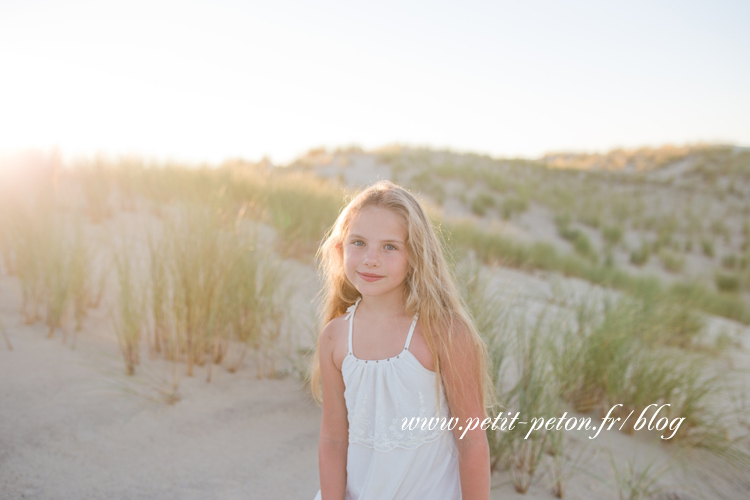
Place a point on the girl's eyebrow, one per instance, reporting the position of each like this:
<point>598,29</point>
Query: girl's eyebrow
<point>383,241</point>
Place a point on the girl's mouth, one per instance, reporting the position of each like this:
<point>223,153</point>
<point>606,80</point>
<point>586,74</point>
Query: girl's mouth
<point>370,277</point>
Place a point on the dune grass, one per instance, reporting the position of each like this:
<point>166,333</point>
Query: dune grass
<point>160,342</point>
<point>210,282</point>
<point>634,482</point>
<point>46,250</point>
<point>255,304</point>
<point>56,276</point>
<point>300,207</point>
<point>636,352</point>
<point>624,354</point>
<point>481,203</point>
<point>514,205</point>
<point>522,379</point>
<point>81,292</point>
<point>29,234</point>
<point>726,282</point>
<point>492,247</point>
<point>128,319</point>
<point>212,291</point>
<point>672,262</point>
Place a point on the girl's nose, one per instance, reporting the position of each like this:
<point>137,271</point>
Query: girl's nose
<point>371,257</point>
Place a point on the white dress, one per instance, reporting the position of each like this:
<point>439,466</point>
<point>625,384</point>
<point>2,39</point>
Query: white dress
<point>385,461</point>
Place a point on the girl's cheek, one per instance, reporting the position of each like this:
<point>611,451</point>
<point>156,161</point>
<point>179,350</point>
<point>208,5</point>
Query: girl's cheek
<point>350,254</point>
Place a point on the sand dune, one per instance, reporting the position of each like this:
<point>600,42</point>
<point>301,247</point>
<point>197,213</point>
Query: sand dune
<point>74,426</point>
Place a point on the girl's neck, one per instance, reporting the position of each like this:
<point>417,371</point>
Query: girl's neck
<point>391,305</point>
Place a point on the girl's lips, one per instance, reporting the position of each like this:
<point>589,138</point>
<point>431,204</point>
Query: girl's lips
<point>370,277</point>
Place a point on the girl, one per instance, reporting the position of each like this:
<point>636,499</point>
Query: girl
<point>398,345</point>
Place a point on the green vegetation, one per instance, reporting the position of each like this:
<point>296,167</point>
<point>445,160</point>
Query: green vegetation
<point>130,313</point>
<point>580,241</point>
<point>672,262</point>
<point>514,205</point>
<point>46,251</point>
<point>636,483</point>
<point>727,282</point>
<point>212,288</point>
<point>481,203</point>
<point>708,248</point>
<point>612,235</point>
<point>634,352</point>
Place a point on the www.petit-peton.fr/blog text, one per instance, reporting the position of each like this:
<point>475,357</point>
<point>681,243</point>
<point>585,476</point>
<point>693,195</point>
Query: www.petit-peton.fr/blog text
<point>507,421</point>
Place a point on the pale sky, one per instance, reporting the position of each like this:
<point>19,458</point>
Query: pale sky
<point>205,81</point>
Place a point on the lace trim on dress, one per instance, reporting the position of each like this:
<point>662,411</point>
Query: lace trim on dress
<point>385,436</point>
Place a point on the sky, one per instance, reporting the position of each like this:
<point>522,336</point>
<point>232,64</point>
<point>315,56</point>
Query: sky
<point>207,81</point>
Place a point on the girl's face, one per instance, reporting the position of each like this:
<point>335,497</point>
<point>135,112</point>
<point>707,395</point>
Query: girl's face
<point>375,255</point>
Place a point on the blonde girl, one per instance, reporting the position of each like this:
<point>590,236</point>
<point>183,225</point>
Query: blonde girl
<point>397,347</point>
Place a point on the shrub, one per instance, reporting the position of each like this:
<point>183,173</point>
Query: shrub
<point>727,282</point>
<point>481,203</point>
<point>640,257</point>
<point>592,219</point>
<point>580,241</point>
<point>612,235</point>
<point>513,205</point>
<point>672,262</point>
<point>732,261</point>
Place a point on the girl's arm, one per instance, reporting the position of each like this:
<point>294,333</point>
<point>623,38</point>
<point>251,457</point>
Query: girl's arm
<point>465,401</point>
<point>334,427</point>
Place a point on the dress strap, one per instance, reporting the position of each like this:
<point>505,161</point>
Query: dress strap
<point>411,331</point>
<point>350,316</point>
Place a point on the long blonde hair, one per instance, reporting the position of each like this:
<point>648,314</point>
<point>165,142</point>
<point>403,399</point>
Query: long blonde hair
<point>430,288</point>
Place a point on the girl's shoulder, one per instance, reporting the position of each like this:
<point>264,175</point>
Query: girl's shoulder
<point>336,331</point>
<point>338,323</point>
<point>334,339</point>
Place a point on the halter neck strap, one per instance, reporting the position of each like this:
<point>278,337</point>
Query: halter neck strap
<point>350,316</point>
<point>411,331</point>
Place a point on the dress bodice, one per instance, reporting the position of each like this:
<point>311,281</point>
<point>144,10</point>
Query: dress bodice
<point>381,393</point>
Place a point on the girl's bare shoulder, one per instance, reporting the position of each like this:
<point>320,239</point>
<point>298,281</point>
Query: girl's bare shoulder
<point>335,334</point>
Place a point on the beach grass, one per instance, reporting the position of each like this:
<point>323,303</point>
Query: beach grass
<point>214,294</point>
<point>632,481</point>
<point>129,311</point>
<point>644,357</point>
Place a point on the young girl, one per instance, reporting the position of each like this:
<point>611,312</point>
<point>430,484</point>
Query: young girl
<point>398,344</point>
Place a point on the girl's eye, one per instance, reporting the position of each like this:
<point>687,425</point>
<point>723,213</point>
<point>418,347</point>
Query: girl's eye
<point>358,243</point>
<point>390,247</point>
